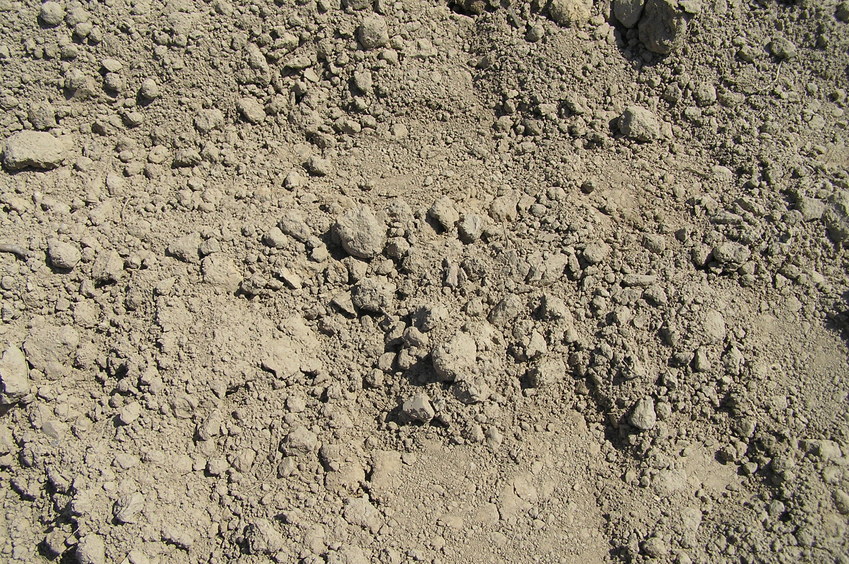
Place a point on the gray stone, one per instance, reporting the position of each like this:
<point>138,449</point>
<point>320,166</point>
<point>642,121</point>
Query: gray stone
<point>128,507</point>
<point>49,347</point>
<point>597,252</point>
<point>262,537</point>
<point>149,89</point>
<point>107,268</point>
<point>546,372</point>
<point>471,389</point>
<point>731,254</point>
<point>373,294</point>
<point>506,310</point>
<point>662,27</point>
<point>643,416</point>
<point>36,149</point>
<point>471,228</point>
<point>783,48</point>
<point>292,223</point>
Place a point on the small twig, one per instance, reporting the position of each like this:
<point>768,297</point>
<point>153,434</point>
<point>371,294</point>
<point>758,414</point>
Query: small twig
<point>16,250</point>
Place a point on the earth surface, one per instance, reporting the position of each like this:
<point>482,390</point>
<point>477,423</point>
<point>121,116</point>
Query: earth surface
<point>415,281</point>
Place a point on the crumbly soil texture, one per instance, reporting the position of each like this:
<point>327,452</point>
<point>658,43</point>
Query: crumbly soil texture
<point>356,281</point>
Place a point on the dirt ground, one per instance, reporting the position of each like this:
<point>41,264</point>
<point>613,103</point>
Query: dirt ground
<point>410,281</point>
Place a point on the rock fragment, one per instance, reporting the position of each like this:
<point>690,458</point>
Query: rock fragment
<point>783,48</point>
<point>570,12</point>
<point>36,149</point>
<point>842,12</point>
<point>373,32</point>
<point>107,268</point>
<point>639,124</point>
<point>444,213</point>
<point>251,110</point>
<point>262,537</point>
<point>359,511</point>
<point>149,90</point>
<point>91,550</point>
<point>49,347</point>
<point>662,27</point>
<point>373,294</point>
<point>643,416</point>
<point>628,12</point>
<point>62,255</point>
<point>361,233</point>
<point>129,413</point>
<point>51,14</point>
<point>299,442</point>
<point>546,372</point>
<point>219,270</point>
<point>471,388</point>
<point>455,358</point>
<point>417,409</point>
<point>14,376</point>
<point>506,310</point>
<point>209,119</point>
<point>731,255</point>
<point>185,248</point>
<point>471,228</point>
<point>292,223</point>
<point>128,507</point>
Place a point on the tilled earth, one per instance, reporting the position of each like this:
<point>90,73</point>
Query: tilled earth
<point>410,281</point>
